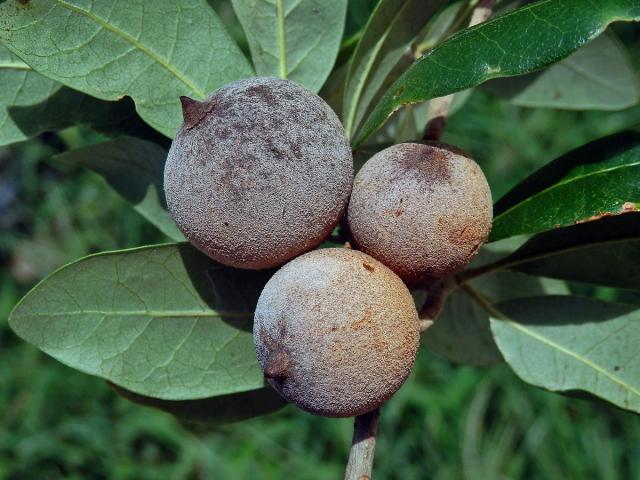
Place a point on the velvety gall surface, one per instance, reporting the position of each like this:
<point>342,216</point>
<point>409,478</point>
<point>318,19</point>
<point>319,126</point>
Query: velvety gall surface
<point>422,209</point>
<point>260,172</point>
<point>336,332</point>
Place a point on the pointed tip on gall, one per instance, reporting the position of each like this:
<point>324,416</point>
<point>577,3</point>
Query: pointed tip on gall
<point>193,111</point>
<point>278,366</point>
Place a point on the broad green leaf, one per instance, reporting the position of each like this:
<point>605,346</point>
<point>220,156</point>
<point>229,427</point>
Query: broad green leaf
<point>392,27</point>
<point>220,410</point>
<point>599,76</point>
<point>604,252</point>
<point>596,180</point>
<point>31,104</point>
<point>153,51</point>
<point>162,321</point>
<point>516,43</point>
<point>294,39</point>
<point>571,343</point>
<point>20,86</point>
<point>134,168</point>
<point>461,332</point>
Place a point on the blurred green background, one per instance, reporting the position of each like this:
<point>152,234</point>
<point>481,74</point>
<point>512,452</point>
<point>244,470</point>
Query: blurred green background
<point>447,422</point>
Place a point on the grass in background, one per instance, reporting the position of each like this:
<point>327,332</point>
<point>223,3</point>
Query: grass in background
<point>447,422</point>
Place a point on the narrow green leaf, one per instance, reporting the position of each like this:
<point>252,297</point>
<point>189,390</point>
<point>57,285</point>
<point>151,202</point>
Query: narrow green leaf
<point>596,180</point>
<point>516,43</point>
<point>392,27</point>
<point>332,91</point>
<point>162,321</point>
<point>358,13</point>
<point>220,410</point>
<point>294,39</point>
<point>134,168</point>
<point>599,76</point>
<point>571,343</point>
<point>604,252</point>
<point>153,51</point>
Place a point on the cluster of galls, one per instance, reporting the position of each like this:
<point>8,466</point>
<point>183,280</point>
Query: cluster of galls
<point>261,172</point>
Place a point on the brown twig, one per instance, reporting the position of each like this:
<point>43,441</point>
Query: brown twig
<point>439,107</point>
<point>437,294</point>
<point>363,446</point>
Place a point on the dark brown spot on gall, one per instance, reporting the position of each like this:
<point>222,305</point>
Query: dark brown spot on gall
<point>278,365</point>
<point>362,322</point>
<point>295,148</point>
<point>426,164</point>
<point>368,267</point>
<point>460,231</point>
<point>398,212</point>
<point>263,92</point>
<point>444,146</point>
<point>277,152</point>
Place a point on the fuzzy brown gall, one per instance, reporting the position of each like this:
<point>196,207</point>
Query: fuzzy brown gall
<point>336,332</point>
<point>422,209</point>
<point>259,173</point>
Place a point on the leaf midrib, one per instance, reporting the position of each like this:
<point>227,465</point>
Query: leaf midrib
<point>551,344</point>
<point>15,66</point>
<point>137,44</point>
<point>282,42</point>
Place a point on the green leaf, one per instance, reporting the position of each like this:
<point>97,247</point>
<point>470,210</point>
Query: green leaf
<point>571,343</point>
<point>294,39</point>
<point>461,332</point>
<point>220,410</point>
<point>599,76</point>
<point>392,27</point>
<point>153,51</point>
<point>604,252</point>
<point>162,321</point>
<point>332,91</point>
<point>20,86</point>
<point>516,43</point>
<point>358,13</point>
<point>596,180</point>
<point>134,168</point>
<point>31,104</point>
